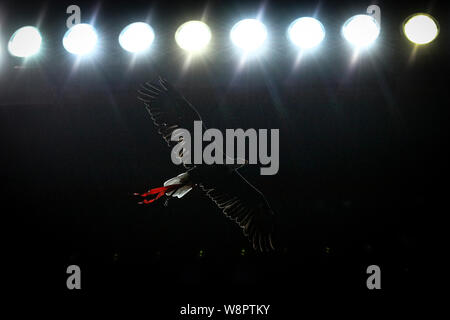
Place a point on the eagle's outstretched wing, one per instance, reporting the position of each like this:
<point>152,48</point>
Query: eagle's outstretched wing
<point>242,202</point>
<point>168,109</point>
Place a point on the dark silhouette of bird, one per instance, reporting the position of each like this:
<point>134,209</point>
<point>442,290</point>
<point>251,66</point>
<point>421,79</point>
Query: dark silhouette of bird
<point>239,200</point>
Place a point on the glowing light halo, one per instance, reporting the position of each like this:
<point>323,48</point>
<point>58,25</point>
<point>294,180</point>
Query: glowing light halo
<point>249,35</point>
<point>25,42</point>
<point>421,28</point>
<point>361,31</point>
<point>81,39</point>
<point>306,32</point>
<point>136,37</point>
<point>193,36</point>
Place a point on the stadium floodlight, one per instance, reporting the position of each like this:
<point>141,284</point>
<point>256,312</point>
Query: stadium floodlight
<point>193,36</point>
<point>136,37</point>
<point>25,42</point>
<point>361,31</point>
<point>80,39</point>
<point>421,28</point>
<point>306,32</point>
<point>249,34</point>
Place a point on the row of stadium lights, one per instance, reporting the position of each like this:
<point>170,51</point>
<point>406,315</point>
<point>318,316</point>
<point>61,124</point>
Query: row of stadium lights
<point>249,35</point>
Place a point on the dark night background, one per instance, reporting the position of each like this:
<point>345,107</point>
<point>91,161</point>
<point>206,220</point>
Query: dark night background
<point>362,156</point>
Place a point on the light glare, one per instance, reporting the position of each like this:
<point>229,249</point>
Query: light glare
<point>81,39</point>
<point>248,34</point>
<point>361,30</point>
<point>421,29</point>
<point>193,36</point>
<point>306,32</point>
<point>25,42</point>
<point>136,37</point>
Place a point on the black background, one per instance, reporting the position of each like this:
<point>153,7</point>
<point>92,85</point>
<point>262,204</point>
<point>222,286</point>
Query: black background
<point>363,159</point>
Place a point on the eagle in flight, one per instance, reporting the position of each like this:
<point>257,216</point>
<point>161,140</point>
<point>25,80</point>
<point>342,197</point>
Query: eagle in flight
<point>238,199</point>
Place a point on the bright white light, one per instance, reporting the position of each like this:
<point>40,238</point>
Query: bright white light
<point>421,29</point>
<point>361,30</point>
<point>25,42</point>
<point>136,37</point>
<point>306,32</point>
<point>81,39</point>
<point>248,34</point>
<point>193,36</point>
